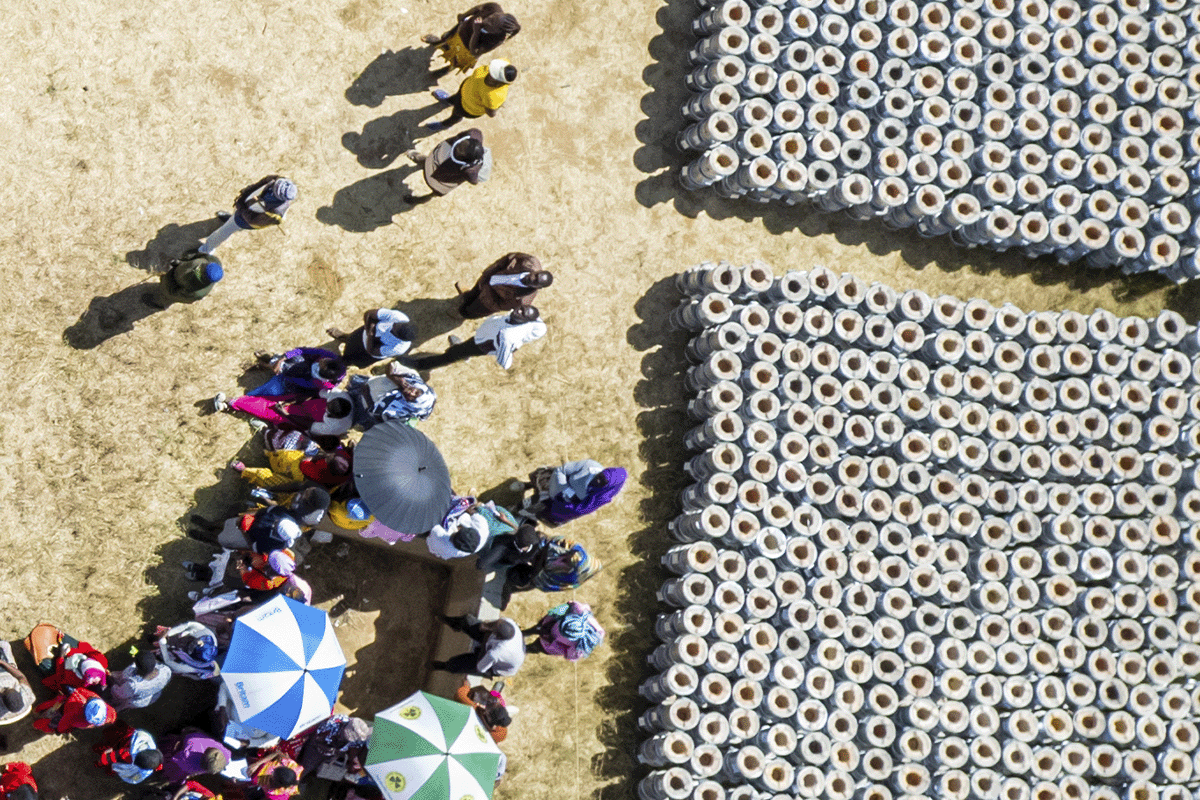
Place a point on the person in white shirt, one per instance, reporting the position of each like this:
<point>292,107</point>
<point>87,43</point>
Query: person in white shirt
<point>497,648</point>
<point>499,336</point>
<point>466,535</point>
<point>385,333</point>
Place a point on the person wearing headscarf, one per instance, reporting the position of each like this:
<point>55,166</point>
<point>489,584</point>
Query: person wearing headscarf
<point>16,695</point>
<point>139,684</point>
<point>569,630</point>
<point>482,92</point>
<point>511,281</point>
<point>398,394</point>
<point>79,710</point>
<point>580,490</point>
<point>189,649</point>
<point>385,333</point>
<point>460,159</point>
<point>269,572</point>
<point>129,753</point>
<point>16,782</point>
<point>77,665</point>
<point>260,205</point>
<point>480,29</point>
<point>489,705</point>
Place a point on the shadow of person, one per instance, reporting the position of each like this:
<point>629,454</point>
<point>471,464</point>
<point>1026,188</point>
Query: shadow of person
<point>433,316</point>
<point>113,315</point>
<point>661,394</point>
<point>385,139</point>
<point>368,204</point>
<point>393,72</point>
<point>171,241</point>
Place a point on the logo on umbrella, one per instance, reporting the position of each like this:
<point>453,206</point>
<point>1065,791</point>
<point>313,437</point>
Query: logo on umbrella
<point>395,781</point>
<point>410,712</point>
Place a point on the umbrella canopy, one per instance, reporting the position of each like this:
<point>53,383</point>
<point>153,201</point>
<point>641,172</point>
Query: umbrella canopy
<point>402,477</point>
<point>430,748</point>
<point>283,667</point>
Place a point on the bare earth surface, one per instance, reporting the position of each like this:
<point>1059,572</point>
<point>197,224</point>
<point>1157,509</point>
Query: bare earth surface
<point>123,126</point>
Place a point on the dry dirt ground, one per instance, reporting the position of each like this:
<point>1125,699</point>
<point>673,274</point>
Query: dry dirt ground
<point>123,126</point>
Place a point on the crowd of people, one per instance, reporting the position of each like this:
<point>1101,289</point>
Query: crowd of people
<point>307,409</point>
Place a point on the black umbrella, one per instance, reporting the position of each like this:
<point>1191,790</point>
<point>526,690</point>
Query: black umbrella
<point>402,477</point>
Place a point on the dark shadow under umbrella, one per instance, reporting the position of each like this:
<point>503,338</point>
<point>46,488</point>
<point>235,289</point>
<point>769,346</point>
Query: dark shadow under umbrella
<point>402,477</point>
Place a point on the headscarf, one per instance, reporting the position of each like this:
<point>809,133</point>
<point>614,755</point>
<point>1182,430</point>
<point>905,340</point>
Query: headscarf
<point>95,711</point>
<point>281,190</point>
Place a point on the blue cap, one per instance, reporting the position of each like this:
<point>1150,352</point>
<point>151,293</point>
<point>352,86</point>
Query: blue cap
<point>213,272</point>
<point>357,509</point>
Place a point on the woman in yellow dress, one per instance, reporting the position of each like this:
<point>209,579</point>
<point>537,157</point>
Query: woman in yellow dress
<point>480,30</point>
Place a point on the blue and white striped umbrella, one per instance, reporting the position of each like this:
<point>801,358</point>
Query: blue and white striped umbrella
<point>284,667</point>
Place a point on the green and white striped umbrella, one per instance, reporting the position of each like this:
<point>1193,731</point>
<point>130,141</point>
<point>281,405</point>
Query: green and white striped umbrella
<point>430,748</point>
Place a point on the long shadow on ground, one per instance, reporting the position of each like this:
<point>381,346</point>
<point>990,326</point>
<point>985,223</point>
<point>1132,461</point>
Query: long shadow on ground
<point>393,72</point>
<point>385,139</point>
<point>661,394</point>
<point>366,205</point>
<point>171,241</point>
<point>111,315</point>
<point>661,159</point>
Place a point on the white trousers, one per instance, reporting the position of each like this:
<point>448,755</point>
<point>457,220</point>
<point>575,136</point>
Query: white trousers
<point>217,237</point>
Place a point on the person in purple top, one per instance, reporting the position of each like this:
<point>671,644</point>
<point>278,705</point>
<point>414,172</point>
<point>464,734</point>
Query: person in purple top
<point>304,371</point>
<point>192,752</point>
<point>578,488</point>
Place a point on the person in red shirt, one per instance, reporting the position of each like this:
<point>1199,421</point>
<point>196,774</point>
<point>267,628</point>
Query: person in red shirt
<point>79,710</point>
<point>16,782</point>
<point>77,666</point>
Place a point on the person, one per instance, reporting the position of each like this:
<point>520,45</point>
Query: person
<point>188,649</point>
<point>460,537</point>
<point>569,630</point>
<point>329,414</point>
<point>479,30</point>
<point>574,489</point>
<point>76,665</point>
<point>80,709</point>
<point>460,159</point>
<point>190,790</point>
<point>16,782</point>
<point>263,530</point>
<point>277,775</point>
<point>489,705</point>
<point>290,468</point>
<point>511,281</point>
<point>267,573</point>
<point>139,684</point>
<point>339,740</point>
<point>129,753</point>
<point>385,333</point>
<point>483,92</point>
<point>302,371</point>
<point>16,695</point>
<point>398,394</point>
<point>497,648</point>
<point>260,205</point>
<point>192,752</point>
<point>190,278</point>
<point>512,549</point>
<point>501,336</point>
